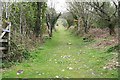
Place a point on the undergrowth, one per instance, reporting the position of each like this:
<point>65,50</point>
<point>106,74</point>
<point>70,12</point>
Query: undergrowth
<point>17,54</point>
<point>114,48</point>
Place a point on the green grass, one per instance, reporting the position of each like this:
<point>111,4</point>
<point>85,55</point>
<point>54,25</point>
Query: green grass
<point>48,62</point>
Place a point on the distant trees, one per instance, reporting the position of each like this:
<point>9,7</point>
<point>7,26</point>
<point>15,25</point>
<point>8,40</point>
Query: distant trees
<point>69,18</point>
<point>107,13</point>
<point>80,12</point>
<point>100,14</point>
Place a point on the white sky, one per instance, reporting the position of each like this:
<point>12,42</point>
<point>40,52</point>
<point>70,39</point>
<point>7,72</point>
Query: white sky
<point>60,5</point>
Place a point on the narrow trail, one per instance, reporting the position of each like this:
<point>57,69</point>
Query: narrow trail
<point>62,56</point>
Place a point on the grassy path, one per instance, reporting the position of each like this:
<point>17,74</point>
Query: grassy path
<point>64,56</point>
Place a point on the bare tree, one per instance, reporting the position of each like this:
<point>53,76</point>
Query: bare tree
<point>80,12</point>
<point>101,9</point>
<point>51,18</point>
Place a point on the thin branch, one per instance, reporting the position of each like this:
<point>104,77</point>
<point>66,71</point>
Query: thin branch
<point>116,8</point>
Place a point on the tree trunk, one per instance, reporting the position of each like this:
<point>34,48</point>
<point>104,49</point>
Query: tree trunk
<point>111,29</point>
<point>85,27</point>
<point>85,24</point>
<point>50,31</point>
<point>119,27</point>
<point>48,26</point>
<point>38,20</point>
<point>78,26</point>
<point>21,19</point>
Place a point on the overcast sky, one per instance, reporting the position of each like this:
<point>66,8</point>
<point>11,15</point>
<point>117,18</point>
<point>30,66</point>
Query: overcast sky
<point>60,5</point>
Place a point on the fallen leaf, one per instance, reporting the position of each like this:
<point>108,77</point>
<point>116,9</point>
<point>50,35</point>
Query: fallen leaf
<point>63,70</point>
<point>57,76</point>
<point>19,72</point>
